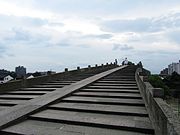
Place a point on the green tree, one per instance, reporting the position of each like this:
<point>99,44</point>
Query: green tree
<point>157,82</point>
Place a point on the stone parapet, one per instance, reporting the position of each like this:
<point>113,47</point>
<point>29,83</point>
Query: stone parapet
<point>165,122</point>
<point>14,85</point>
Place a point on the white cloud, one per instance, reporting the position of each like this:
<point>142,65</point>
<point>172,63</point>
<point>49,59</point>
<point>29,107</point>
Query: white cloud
<point>58,33</point>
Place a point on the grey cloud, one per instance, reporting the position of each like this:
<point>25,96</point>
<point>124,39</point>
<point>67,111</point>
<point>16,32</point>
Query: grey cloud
<point>142,24</point>
<point>20,35</point>
<point>173,36</point>
<point>126,25</point>
<point>56,24</point>
<point>123,47</point>
<point>16,21</point>
<point>2,49</point>
<point>101,36</point>
<point>63,44</point>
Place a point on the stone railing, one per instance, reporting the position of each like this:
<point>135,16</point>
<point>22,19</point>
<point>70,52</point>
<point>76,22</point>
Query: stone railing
<point>164,121</point>
<point>14,85</point>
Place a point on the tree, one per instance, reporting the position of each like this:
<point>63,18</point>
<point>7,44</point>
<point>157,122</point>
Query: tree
<point>157,82</point>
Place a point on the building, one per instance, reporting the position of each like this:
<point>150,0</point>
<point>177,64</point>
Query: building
<point>29,77</point>
<point>174,67</point>
<point>5,79</point>
<point>20,71</point>
<point>8,78</point>
<point>164,72</point>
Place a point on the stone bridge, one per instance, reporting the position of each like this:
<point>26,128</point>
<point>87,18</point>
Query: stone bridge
<point>101,100</point>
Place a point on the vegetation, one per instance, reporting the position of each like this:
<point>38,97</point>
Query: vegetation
<point>173,81</point>
<point>157,82</point>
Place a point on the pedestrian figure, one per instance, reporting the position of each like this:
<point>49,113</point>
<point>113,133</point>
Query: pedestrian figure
<point>116,62</point>
<point>125,61</point>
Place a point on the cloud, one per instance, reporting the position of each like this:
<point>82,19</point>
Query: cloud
<point>17,21</point>
<point>155,24</point>
<point>101,36</point>
<point>56,24</point>
<point>26,37</point>
<point>173,36</point>
<point>123,47</point>
<point>3,49</point>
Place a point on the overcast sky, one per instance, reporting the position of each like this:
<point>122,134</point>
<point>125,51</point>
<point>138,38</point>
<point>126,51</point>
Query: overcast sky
<point>53,34</point>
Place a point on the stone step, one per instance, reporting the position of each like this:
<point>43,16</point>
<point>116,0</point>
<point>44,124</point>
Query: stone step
<point>37,89</point>
<point>117,79</point>
<point>107,94</point>
<point>6,96</point>
<point>104,109</point>
<point>11,102</point>
<point>112,84</point>
<point>108,101</point>
<point>63,81</point>
<point>41,127</point>
<point>129,123</point>
<point>27,92</point>
<point>113,87</point>
<point>3,107</point>
<point>48,86</point>
<point>110,90</point>
<point>118,82</point>
<point>120,77</point>
<point>56,83</point>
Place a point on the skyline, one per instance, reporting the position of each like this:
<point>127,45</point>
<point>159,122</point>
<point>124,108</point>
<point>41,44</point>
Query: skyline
<point>51,35</point>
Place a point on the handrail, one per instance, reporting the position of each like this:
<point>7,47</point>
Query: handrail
<point>164,121</point>
<point>23,83</point>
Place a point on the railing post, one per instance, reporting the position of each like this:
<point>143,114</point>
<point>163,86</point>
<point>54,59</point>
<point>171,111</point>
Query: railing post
<point>66,69</point>
<point>78,68</point>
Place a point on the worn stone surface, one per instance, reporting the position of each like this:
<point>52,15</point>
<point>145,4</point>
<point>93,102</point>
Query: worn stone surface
<point>107,94</point>
<point>14,113</point>
<point>35,127</point>
<point>105,100</point>
<point>114,109</point>
<point>110,90</point>
<point>131,122</point>
<point>114,87</point>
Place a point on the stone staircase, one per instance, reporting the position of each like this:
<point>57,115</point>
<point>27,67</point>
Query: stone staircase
<point>111,105</point>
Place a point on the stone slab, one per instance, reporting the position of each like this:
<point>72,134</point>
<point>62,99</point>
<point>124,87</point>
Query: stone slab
<point>132,123</point>
<point>35,127</point>
<point>112,84</point>
<point>9,116</point>
<point>118,79</point>
<point>107,94</point>
<point>11,102</point>
<point>48,86</point>
<point>110,90</point>
<point>114,87</point>
<point>27,92</point>
<point>117,82</point>
<point>6,96</point>
<point>37,89</point>
<point>110,109</point>
<point>57,83</point>
<point>98,100</point>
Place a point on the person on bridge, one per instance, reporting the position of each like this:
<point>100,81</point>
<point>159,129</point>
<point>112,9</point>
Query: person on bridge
<point>125,62</point>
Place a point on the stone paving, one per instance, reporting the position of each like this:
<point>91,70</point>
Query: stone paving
<point>108,103</point>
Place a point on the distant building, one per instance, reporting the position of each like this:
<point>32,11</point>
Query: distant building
<point>4,72</point>
<point>174,67</point>
<point>20,71</point>
<point>29,77</point>
<point>164,72</point>
<point>5,79</point>
<point>8,78</point>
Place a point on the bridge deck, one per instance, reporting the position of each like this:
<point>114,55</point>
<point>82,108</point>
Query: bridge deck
<point>108,103</point>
